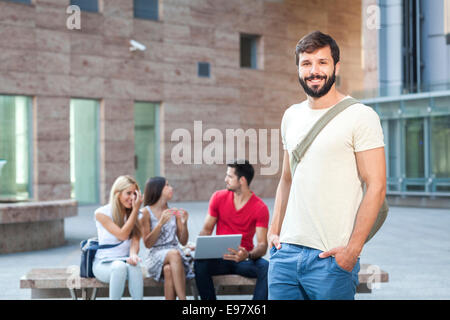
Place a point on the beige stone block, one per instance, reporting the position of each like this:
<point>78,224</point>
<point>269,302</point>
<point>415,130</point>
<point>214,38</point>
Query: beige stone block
<point>17,14</point>
<point>119,130</point>
<point>87,87</point>
<point>116,169</point>
<point>148,30</point>
<point>147,90</point>
<point>52,3</point>
<point>17,60</point>
<point>86,44</point>
<point>50,62</point>
<point>252,115</point>
<point>200,93</point>
<point>18,83</point>
<point>202,36</point>
<point>228,77</point>
<point>119,151</point>
<point>16,37</point>
<point>50,108</point>
<point>118,8</point>
<point>179,34</point>
<point>88,65</point>
<point>114,26</point>
<point>182,53</point>
<point>53,84</point>
<point>53,191</point>
<point>54,40</point>
<point>53,150</point>
<point>91,23</point>
<point>175,13</point>
<point>53,129</point>
<point>252,96</point>
<point>118,47</point>
<point>117,109</point>
<point>226,39</point>
<point>52,173</point>
<point>150,70</point>
<point>283,98</point>
<point>51,17</point>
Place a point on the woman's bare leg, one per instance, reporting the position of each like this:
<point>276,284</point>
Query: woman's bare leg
<point>169,289</point>
<point>173,258</point>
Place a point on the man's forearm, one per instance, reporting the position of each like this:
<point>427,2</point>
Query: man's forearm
<point>258,251</point>
<point>281,200</point>
<point>366,216</point>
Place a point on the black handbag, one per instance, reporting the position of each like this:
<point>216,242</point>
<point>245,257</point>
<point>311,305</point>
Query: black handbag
<point>88,249</point>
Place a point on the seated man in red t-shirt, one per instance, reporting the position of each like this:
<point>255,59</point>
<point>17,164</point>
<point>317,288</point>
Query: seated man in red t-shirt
<point>236,210</point>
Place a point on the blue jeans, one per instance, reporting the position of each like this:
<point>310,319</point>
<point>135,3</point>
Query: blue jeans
<point>116,273</point>
<point>297,273</point>
<point>206,268</point>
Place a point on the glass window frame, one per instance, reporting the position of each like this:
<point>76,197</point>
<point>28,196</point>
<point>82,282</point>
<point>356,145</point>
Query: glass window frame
<point>30,151</point>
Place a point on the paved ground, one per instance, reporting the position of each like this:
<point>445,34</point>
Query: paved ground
<point>413,246</point>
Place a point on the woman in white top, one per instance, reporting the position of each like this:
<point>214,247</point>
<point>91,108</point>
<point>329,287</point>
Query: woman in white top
<point>117,223</point>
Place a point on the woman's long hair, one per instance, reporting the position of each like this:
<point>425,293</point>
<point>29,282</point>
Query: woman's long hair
<point>119,212</point>
<point>153,190</point>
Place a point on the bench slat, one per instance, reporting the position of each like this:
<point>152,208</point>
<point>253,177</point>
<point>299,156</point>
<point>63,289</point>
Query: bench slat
<point>51,282</point>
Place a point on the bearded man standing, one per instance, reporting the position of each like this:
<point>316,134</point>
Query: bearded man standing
<point>321,215</point>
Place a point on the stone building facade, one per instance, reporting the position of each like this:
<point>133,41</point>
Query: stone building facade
<point>42,59</point>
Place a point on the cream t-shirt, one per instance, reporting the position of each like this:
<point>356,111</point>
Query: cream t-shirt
<point>326,190</point>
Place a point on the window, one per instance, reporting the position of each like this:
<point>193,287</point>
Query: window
<point>440,147</point>
<point>146,9</point>
<point>412,66</point>
<point>203,69</point>
<point>146,141</point>
<point>15,147</point>
<point>84,152</point>
<point>86,5</point>
<point>19,1</point>
<point>249,51</point>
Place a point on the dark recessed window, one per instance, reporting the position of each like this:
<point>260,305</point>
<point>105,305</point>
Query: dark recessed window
<point>19,1</point>
<point>86,5</point>
<point>203,69</point>
<point>249,51</point>
<point>146,9</point>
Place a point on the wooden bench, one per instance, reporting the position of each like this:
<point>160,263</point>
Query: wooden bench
<point>66,283</point>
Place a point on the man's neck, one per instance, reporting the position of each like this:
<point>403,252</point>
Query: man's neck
<point>242,195</point>
<point>328,100</point>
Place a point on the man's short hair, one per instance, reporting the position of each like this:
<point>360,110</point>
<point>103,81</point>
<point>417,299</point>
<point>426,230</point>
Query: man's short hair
<point>316,40</point>
<point>243,168</point>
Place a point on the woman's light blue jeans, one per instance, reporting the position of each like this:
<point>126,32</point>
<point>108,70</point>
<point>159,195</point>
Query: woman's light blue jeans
<point>116,273</point>
<point>297,273</point>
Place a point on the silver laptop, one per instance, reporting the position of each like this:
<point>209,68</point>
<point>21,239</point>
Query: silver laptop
<point>214,247</point>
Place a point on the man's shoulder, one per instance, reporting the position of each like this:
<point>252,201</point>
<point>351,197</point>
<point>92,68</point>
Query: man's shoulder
<point>362,111</point>
<point>220,194</point>
<point>296,107</point>
<point>259,202</point>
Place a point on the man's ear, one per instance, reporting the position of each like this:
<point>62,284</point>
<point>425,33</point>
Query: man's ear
<point>243,180</point>
<point>337,67</point>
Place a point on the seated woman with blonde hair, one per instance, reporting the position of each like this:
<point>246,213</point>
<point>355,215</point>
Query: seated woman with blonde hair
<point>163,229</point>
<point>117,223</point>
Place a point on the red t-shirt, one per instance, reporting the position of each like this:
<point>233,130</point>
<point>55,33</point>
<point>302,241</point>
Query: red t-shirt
<point>243,221</point>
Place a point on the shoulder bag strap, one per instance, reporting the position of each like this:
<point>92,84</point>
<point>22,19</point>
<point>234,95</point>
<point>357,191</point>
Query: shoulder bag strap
<point>300,149</point>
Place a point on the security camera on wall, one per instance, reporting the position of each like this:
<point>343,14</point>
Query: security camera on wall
<point>137,46</point>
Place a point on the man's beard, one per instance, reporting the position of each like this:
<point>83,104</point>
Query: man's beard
<point>317,93</point>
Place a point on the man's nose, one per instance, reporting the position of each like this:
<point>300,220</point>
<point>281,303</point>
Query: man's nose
<point>314,68</point>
